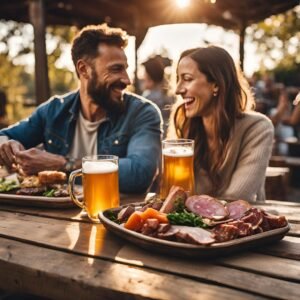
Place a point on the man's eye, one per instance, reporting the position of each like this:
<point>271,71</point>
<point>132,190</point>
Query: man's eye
<point>187,79</point>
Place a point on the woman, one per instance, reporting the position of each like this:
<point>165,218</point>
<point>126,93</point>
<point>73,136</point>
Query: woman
<point>233,144</point>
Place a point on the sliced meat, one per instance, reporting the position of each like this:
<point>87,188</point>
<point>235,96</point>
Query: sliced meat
<point>150,226</point>
<point>254,216</point>
<point>163,227</point>
<point>237,209</point>
<point>245,229</point>
<point>225,232</point>
<point>171,233</point>
<point>125,213</point>
<point>32,191</point>
<point>194,235</point>
<point>275,221</point>
<point>207,207</point>
<point>176,195</point>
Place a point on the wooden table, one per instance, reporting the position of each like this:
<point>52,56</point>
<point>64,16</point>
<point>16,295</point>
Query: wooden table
<point>56,254</point>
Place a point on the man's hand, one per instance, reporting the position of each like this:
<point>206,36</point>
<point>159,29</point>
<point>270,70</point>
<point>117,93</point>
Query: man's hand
<point>34,160</point>
<point>8,151</point>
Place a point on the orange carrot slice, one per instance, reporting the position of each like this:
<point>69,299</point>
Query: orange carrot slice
<point>151,213</point>
<point>135,221</point>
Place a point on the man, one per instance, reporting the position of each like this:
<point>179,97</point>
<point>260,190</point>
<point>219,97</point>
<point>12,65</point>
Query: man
<point>99,118</point>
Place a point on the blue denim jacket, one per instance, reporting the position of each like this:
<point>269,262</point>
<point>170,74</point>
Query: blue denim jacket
<point>135,136</point>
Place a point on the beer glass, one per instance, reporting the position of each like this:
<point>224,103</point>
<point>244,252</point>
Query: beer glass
<point>177,165</point>
<point>100,184</point>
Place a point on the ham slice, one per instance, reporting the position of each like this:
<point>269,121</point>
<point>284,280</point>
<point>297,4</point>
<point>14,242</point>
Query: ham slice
<point>176,194</point>
<point>194,235</point>
<point>206,207</point>
<point>237,209</point>
<point>254,216</point>
<point>225,232</point>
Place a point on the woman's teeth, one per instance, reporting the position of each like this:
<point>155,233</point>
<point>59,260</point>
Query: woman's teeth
<point>188,101</point>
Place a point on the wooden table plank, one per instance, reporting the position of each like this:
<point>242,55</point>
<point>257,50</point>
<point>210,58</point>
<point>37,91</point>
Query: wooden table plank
<point>83,238</point>
<point>46,272</point>
<point>230,276</point>
<point>289,248</point>
<point>286,269</point>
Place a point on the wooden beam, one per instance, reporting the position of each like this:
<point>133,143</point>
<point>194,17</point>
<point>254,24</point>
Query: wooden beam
<point>37,19</point>
<point>242,44</point>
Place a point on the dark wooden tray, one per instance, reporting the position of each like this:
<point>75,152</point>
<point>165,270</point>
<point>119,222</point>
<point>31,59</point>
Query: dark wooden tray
<point>190,250</point>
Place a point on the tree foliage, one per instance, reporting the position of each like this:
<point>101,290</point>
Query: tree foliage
<point>16,71</point>
<point>278,40</point>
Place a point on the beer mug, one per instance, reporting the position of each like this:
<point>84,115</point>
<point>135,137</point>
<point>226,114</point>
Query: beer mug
<point>177,165</point>
<point>100,184</point>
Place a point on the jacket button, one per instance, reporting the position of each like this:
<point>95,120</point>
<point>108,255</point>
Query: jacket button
<point>49,141</point>
<point>116,142</point>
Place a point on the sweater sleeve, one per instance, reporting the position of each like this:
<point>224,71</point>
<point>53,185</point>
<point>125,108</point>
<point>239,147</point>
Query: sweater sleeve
<point>253,159</point>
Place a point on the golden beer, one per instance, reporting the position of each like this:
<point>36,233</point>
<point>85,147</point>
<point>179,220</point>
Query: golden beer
<point>178,168</point>
<point>100,186</point>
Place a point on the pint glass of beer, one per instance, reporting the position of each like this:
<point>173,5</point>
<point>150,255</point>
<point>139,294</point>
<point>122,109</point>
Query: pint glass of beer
<point>100,184</point>
<point>177,165</point>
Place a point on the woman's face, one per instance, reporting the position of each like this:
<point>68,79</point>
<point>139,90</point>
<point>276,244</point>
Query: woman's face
<point>196,91</point>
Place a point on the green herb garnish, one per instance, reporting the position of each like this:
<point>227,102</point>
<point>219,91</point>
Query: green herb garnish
<point>179,205</point>
<point>112,216</point>
<point>8,185</point>
<point>186,218</point>
<point>49,193</point>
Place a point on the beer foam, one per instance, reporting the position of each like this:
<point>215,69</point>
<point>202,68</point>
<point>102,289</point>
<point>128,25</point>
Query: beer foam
<point>99,167</point>
<point>178,151</point>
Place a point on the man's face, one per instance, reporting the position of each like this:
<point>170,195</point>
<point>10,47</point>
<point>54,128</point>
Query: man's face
<point>108,78</point>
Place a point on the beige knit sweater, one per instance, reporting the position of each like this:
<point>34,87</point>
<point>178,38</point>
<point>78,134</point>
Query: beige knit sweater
<point>244,167</point>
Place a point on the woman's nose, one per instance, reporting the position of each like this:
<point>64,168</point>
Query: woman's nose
<point>179,89</point>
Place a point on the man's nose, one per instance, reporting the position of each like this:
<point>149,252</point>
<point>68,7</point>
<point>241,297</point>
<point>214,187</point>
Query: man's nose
<point>125,79</point>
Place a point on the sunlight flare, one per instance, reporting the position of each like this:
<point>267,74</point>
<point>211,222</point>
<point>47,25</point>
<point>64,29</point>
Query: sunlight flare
<point>183,3</point>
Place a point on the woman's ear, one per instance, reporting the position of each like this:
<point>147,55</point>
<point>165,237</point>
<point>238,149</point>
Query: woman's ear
<point>82,68</point>
<point>215,90</point>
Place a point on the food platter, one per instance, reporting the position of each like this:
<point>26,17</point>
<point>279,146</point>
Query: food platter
<point>37,201</point>
<point>189,250</point>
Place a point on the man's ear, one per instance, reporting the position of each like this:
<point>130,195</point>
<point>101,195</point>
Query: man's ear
<point>82,68</point>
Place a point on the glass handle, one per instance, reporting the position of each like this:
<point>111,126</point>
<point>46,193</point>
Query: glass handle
<point>72,177</point>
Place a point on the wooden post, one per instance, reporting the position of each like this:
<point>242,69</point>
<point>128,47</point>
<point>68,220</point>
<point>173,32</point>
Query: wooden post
<point>37,19</point>
<point>242,44</point>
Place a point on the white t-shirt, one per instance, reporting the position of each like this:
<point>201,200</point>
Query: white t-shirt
<point>85,138</point>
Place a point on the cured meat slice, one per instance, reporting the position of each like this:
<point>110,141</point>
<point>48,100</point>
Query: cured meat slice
<point>125,213</point>
<point>194,235</point>
<point>225,232</point>
<point>275,221</point>
<point>237,209</point>
<point>176,194</point>
<point>169,234</point>
<point>207,207</point>
<point>254,216</point>
<point>245,229</point>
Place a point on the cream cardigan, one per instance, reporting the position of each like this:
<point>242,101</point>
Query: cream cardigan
<point>243,170</point>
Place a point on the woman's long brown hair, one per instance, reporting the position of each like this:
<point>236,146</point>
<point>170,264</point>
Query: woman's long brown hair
<point>233,98</point>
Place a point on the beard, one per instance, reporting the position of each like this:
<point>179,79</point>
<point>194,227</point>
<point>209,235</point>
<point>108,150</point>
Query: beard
<point>101,94</point>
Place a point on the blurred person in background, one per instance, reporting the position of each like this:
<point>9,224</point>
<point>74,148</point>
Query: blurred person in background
<point>156,89</point>
<point>233,144</point>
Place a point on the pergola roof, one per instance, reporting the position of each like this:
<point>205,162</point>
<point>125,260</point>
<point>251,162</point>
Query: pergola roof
<point>136,16</point>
